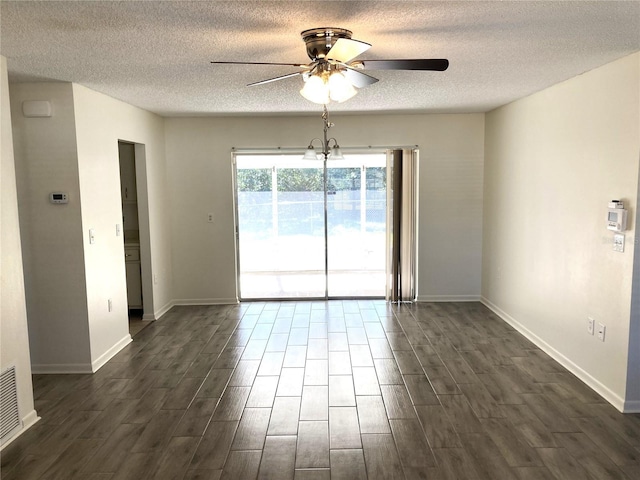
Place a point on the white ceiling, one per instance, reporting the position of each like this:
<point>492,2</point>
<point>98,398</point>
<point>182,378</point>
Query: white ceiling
<point>156,55</point>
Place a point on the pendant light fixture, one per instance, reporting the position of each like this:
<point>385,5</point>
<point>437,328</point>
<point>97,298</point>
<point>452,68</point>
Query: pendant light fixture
<point>328,152</point>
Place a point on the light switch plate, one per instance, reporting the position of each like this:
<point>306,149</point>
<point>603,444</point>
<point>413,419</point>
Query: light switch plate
<point>618,242</point>
<point>92,236</point>
<point>602,329</point>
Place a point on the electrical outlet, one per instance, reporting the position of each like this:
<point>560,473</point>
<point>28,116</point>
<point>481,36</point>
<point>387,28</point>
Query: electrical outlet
<point>591,325</point>
<point>92,236</point>
<point>601,331</point>
<point>210,217</point>
<point>155,279</point>
<point>110,304</point>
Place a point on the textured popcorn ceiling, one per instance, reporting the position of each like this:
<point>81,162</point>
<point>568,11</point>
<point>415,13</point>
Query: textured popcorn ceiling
<point>156,55</point>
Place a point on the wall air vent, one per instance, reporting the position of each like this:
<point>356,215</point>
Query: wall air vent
<point>9,416</point>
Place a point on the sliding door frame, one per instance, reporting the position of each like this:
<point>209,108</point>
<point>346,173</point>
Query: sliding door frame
<point>381,150</point>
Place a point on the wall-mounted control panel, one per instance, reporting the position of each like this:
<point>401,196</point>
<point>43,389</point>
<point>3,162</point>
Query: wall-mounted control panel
<point>58,197</point>
<point>616,216</point>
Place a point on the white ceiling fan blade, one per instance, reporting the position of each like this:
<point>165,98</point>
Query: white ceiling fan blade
<point>346,49</point>
<point>357,78</point>
<point>282,77</point>
<point>301,65</point>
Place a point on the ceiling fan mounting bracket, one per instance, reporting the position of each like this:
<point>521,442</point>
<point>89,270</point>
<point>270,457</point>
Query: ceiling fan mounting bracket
<point>320,40</point>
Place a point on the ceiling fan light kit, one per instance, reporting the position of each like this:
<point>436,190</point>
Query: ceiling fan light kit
<point>340,89</point>
<point>315,89</point>
<point>326,87</point>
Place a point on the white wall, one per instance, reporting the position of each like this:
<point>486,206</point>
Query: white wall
<point>552,163</point>
<point>200,181</point>
<point>100,122</point>
<point>47,161</point>
<point>69,280</point>
<point>14,336</point>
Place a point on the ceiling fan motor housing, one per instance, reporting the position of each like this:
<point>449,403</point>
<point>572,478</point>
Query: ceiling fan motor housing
<point>320,40</point>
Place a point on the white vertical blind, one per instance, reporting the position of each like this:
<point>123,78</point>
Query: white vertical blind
<point>402,167</point>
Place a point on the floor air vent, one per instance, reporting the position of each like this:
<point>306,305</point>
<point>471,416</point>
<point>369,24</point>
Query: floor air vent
<point>9,417</point>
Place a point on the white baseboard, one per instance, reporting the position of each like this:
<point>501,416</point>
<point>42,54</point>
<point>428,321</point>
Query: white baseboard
<point>66,368</point>
<point>188,302</point>
<point>448,298</point>
<point>160,312</point>
<point>632,406</point>
<point>109,354</point>
<point>205,301</point>
<point>27,422</point>
<point>30,419</point>
<point>604,391</point>
<point>61,368</point>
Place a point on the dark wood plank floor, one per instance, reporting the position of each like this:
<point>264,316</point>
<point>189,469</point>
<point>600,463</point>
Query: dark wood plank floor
<point>319,390</point>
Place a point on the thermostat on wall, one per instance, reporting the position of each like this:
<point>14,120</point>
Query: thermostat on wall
<point>617,216</point>
<point>58,197</point>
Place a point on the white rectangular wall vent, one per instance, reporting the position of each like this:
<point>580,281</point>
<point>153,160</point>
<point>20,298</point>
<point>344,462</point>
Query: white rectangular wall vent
<point>9,416</point>
<point>36,108</point>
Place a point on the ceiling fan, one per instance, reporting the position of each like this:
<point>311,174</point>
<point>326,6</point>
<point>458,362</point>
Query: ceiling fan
<point>333,74</point>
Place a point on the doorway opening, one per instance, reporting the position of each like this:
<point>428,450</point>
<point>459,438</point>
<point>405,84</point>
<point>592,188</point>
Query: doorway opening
<point>309,230</point>
<point>131,231</point>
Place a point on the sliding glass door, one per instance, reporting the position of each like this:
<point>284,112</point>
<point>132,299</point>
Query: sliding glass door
<point>280,227</point>
<point>297,240</point>
<point>356,224</point>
